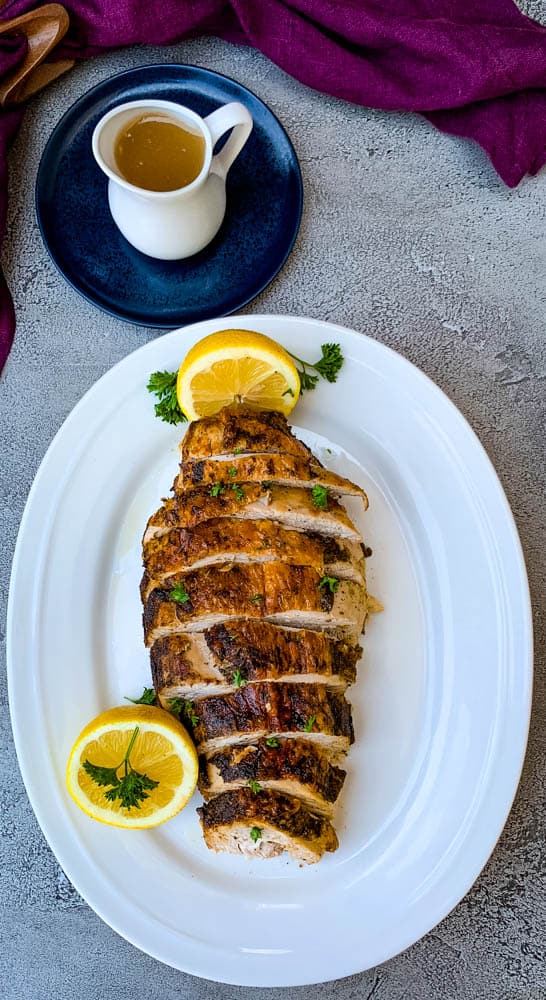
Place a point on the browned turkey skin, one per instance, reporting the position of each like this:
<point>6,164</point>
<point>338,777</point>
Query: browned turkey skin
<point>292,767</point>
<point>254,595</point>
<point>265,824</point>
<point>199,664</point>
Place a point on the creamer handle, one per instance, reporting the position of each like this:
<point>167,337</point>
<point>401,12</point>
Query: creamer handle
<point>232,116</point>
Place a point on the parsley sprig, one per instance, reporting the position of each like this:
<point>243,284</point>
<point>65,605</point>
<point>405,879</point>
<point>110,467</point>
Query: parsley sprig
<point>163,385</point>
<point>131,789</point>
<point>327,367</point>
<point>183,708</point>
<point>148,697</point>
<point>255,833</point>
<point>331,582</point>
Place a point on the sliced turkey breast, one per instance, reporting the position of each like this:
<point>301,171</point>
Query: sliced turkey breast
<point>226,540</point>
<point>284,594</point>
<point>265,825</point>
<point>260,711</point>
<point>294,767</point>
<point>240,429</point>
<point>285,470</point>
<point>292,507</point>
<point>199,664</point>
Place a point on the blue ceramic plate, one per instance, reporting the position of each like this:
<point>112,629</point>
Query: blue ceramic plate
<point>264,202</point>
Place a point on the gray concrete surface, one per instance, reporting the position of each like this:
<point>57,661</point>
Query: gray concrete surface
<point>409,236</point>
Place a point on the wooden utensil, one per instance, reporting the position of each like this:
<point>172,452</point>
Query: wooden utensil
<point>43,29</point>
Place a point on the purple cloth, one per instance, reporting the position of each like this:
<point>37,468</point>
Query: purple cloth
<point>474,68</point>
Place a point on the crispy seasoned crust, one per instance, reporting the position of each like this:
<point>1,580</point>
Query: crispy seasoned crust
<point>259,709</point>
<point>226,540</point>
<point>280,822</point>
<point>289,595</point>
<point>198,664</point>
<point>296,765</point>
<point>237,429</point>
<point>276,468</point>
<point>260,650</point>
<point>290,506</point>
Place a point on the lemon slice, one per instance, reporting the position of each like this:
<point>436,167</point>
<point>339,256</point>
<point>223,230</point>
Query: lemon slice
<point>159,749</point>
<point>236,366</point>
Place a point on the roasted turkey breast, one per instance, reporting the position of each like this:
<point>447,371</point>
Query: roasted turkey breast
<point>216,661</point>
<point>285,470</point>
<point>265,824</point>
<point>289,506</point>
<point>293,767</point>
<point>254,595</point>
<point>226,540</point>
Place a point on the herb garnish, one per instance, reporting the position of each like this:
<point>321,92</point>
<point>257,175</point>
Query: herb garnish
<point>238,451</point>
<point>255,833</point>
<point>289,392</point>
<point>256,599</point>
<point>179,594</point>
<point>148,697</point>
<point>238,679</point>
<point>217,489</point>
<point>331,582</point>
<point>131,789</point>
<point>254,786</point>
<point>182,707</point>
<point>309,724</point>
<point>232,471</point>
<point>272,742</point>
<point>239,493</point>
<point>163,385</point>
<point>266,485</point>
<point>327,367</point>
<point>320,497</point>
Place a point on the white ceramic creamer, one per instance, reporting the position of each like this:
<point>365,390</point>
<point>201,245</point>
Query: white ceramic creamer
<point>170,225</point>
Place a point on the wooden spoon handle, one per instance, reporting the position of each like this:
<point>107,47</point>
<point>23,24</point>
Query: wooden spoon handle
<point>43,29</point>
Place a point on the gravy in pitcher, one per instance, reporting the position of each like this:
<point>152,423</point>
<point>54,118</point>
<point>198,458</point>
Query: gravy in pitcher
<point>158,153</point>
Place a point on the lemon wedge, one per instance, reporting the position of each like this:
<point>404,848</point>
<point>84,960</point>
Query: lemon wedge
<point>233,366</point>
<point>147,744</point>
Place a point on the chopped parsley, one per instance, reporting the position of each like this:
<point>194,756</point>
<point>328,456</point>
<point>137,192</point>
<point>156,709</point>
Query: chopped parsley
<point>239,493</point>
<point>255,833</point>
<point>256,599</point>
<point>217,489</point>
<point>309,724</point>
<point>254,786</point>
<point>238,679</point>
<point>331,582</point>
<point>272,742</point>
<point>320,497</point>
<point>232,471</point>
<point>179,594</point>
